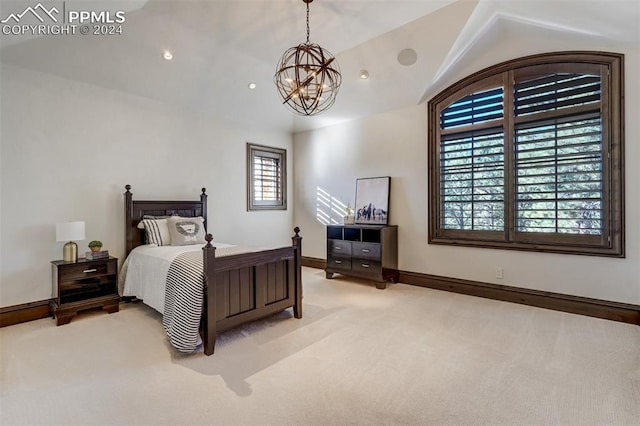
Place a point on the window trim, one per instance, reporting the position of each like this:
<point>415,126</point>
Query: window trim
<point>254,150</point>
<point>612,243</point>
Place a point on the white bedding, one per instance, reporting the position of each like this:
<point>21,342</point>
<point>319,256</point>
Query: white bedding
<point>144,272</point>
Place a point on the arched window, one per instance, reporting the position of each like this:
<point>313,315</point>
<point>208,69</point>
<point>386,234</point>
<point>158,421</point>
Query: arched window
<point>528,155</point>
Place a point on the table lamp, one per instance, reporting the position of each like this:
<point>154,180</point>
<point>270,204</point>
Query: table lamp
<point>70,231</point>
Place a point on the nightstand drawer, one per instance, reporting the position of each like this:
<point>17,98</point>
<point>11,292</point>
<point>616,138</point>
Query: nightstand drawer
<point>88,270</point>
<point>339,248</point>
<point>366,250</point>
<point>87,288</point>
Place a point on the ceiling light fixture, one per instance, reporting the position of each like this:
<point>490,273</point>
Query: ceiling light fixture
<point>308,77</point>
<point>252,85</point>
<point>167,55</point>
<point>364,74</point>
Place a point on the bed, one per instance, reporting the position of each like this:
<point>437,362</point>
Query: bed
<point>237,288</point>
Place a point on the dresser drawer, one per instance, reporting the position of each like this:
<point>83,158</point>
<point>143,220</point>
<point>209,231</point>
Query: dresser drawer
<point>88,270</point>
<point>339,248</point>
<point>366,250</point>
<point>365,267</point>
<point>339,263</point>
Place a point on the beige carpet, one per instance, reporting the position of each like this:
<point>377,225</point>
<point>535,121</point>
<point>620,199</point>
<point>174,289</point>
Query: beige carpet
<point>405,355</point>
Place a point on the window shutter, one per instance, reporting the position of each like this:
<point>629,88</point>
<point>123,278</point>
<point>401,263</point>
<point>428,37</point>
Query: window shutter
<point>474,109</point>
<point>529,155</point>
<point>472,164</point>
<point>559,176</point>
<point>267,178</point>
<point>558,160</point>
<point>555,92</point>
<point>472,181</point>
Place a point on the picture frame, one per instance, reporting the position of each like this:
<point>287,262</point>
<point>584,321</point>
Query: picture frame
<point>372,200</point>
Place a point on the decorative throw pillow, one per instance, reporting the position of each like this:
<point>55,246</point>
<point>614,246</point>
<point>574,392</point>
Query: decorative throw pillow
<point>186,230</point>
<point>157,231</point>
<point>148,216</point>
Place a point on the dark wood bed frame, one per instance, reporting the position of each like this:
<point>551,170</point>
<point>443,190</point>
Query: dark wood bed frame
<point>237,289</point>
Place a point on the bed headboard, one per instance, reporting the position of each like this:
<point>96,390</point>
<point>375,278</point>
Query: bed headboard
<point>135,210</point>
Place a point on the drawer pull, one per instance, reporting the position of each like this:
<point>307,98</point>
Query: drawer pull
<point>366,250</point>
<point>338,262</point>
<point>338,248</point>
<point>86,271</point>
<point>365,265</point>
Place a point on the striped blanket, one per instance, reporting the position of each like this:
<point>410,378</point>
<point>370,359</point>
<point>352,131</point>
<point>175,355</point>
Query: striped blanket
<point>183,301</point>
<point>184,297</point>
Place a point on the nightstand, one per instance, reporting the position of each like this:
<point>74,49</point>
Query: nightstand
<point>84,284</point>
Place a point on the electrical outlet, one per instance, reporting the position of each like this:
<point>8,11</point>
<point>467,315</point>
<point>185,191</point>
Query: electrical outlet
<point>499,273</point>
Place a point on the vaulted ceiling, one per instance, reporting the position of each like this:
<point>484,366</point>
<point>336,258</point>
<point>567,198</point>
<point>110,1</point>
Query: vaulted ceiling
<point>220,46</point>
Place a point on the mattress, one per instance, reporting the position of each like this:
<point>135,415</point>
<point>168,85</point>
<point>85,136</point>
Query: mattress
<point>144,272</point>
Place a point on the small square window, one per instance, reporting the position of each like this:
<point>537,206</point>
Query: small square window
<point>266,178</point>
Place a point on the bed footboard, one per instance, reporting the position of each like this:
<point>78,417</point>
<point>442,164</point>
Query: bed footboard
<point>245,287</point>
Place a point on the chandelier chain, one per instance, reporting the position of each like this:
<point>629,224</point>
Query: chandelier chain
<point>308,23</point>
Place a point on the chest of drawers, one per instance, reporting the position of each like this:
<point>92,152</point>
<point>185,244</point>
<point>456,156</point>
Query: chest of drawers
<point>365,251</point>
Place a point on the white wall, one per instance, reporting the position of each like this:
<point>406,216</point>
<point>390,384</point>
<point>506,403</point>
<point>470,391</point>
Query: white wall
<point>394,144</point>
<point>68,149</point>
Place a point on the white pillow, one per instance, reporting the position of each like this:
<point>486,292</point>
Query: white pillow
<point>186,230</point>
<point>157,231</point>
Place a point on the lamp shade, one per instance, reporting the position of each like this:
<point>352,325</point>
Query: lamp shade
<point>70,231</point>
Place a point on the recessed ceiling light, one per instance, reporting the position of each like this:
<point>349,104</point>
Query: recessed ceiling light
<point>167,55</point>
<point>364,74</point>
<point>252,85</point>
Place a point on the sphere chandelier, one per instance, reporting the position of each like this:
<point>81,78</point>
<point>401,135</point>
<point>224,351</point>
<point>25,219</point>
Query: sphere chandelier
<point>308,77</point>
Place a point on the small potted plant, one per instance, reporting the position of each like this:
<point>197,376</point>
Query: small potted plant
<point>95,246</point>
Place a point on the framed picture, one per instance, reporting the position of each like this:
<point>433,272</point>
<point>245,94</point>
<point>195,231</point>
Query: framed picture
<point>372,200</point>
